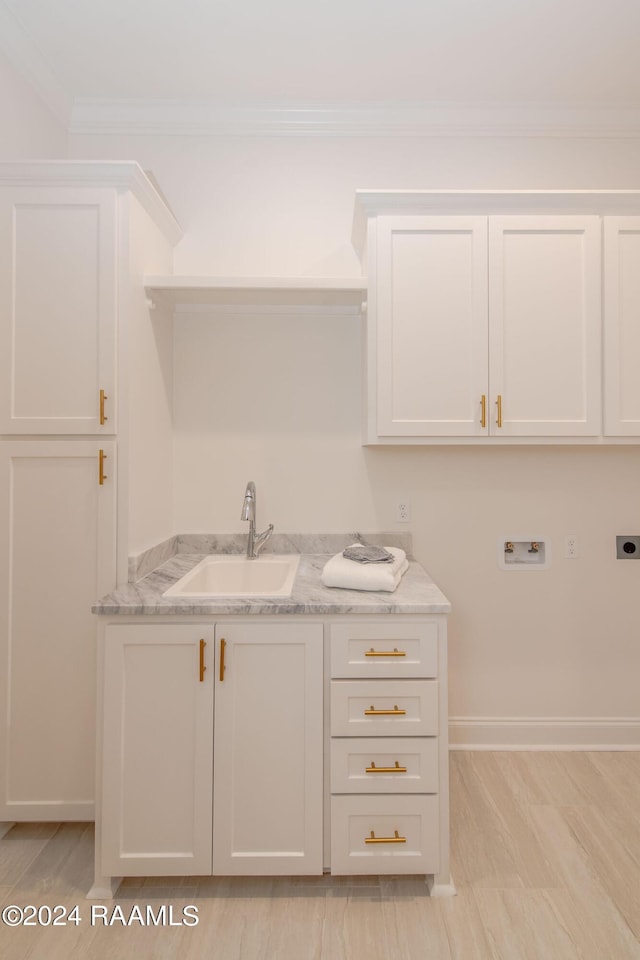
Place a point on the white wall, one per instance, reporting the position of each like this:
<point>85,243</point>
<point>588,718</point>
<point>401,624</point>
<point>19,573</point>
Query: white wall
<point>28,130</point>
<point>277,400</point>
<point>145,391</point>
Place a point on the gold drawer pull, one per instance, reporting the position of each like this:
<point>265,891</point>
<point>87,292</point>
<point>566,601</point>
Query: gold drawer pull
<point>372,712</point>
<point>394,839</point>
<point>396,769</point>
<point>385,653</point>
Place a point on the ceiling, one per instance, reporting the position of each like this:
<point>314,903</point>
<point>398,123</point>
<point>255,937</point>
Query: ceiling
<point>569,55</point>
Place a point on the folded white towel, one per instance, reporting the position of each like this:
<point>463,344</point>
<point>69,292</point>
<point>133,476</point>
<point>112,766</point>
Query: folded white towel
<point>350,575</point>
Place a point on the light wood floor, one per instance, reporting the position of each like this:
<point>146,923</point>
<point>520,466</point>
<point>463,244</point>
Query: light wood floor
<point>546,861</point>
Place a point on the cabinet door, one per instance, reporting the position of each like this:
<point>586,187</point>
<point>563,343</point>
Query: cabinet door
<point>157,751</point>
<point>544,327</point>
<point>57,555</point>
<point>268,772</point>
<point>621,327</point>
<point>430,307</point>
<point>57,310</point>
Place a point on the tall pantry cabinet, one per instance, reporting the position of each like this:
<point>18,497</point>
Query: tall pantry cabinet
<point>75,239</point>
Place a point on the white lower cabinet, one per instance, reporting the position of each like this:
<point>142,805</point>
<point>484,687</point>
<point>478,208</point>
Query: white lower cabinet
<point>399,708</point>
<point>385,834</point>
<point>212,745</point>
<point>389,749</point>
<point>267,781</point>
<point>173,801</point>
<point>384,764</point>
<point>157,750</point>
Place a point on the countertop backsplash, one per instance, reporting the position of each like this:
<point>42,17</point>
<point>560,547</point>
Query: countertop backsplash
<point>235,543</point>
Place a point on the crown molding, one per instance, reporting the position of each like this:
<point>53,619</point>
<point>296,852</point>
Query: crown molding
<point>19,49</point>
<point>200,118</point>
<point>372,203</point>
<point>117,174</point>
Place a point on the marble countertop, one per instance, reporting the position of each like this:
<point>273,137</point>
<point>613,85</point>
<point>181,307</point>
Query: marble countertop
<point>417,593</point>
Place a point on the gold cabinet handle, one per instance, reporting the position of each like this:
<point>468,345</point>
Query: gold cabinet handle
<point>396,769</point>
<point>483,410</point>
<point>223,644</point>
<point>103,417</point>
<point>385,653</point>
<point>394,839</point>
<point>203,644</point>
<point>372,712</point>
<point>499,413</point>
<point>101,474</point>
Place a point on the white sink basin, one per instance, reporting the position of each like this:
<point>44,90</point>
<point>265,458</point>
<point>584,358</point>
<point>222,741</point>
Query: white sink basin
<point>235,576</point>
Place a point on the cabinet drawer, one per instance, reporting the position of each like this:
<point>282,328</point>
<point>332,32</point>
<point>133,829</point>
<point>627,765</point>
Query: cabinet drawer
<point>384,649</point>
<point>404,831</point>
<point>384,765</point>
<point>384,708</point>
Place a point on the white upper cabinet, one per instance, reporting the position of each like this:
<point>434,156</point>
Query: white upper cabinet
<point>484,327</point>
<point>430,303</point>
<point>622,326</point>
<point>501,316</point>
<point>58,302</point>
<point>76,239</point>
<point>544,326</point>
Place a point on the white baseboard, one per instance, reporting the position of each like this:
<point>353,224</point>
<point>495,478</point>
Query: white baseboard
<point>544,733</point>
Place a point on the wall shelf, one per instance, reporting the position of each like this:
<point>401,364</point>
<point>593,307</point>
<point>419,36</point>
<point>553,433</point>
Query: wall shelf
<point>186,294</point>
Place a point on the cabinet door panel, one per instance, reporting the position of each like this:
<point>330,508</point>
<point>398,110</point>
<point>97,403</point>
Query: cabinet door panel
<point>57,537</point>
<point>432,325</point>
<point>157,752</point>
<point>269,750</point>
<point>544,327</point>
<point>57,310</point>
<point>621,327</point>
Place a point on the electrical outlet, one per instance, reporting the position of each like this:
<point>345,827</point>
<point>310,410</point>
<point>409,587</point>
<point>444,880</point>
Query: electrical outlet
<point>403,511</point>
<point>571,546</point>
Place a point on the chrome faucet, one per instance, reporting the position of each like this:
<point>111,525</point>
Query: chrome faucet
<point>256,540</point>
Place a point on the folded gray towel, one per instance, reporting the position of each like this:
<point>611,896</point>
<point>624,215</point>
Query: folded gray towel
<point>363,553</point>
